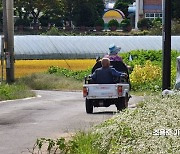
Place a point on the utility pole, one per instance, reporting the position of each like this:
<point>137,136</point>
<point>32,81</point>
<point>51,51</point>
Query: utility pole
<point>166,74</point>
<point>8,31</point>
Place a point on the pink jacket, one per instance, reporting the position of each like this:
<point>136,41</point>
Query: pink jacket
<point>113,57</point>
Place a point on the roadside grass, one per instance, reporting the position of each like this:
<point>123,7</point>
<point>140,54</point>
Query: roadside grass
<point>45,81</point>
<point>14,91</point>
<point>77,74</point>
<point>83,143</point>
<point>39,81</point>
<point>152,127</point>
<point>145,92</point>
<point>143,79</point>
<point>137,130</point>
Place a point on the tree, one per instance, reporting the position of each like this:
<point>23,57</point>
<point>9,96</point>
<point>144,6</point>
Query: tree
<point>99,7</point>
<point>82,12</point>
<point>144,24</point>
<point>99,22</point>
<point>123,5</point>
<point>1,13</point>
<point>79,12</point>
<point>68,7</point>
<point>20,9</point>
<point>113,24</point>
<point>53,14</point>
<point>21,13</point>
<point>84,15</point>
<point>126,25</point>
<point>37,8</point>
<point>175,9</point>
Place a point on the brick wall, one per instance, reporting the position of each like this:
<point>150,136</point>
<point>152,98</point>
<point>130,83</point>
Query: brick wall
<point>152,6</point>
<point>152,2</point>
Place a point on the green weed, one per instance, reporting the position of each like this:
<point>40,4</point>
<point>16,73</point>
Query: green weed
<point>153,127</point>
<point>14,91</point>
<point>81,143</point>
<point>152,115</point>
<point>78,75</point>
<point>44,81</point>
<point>139,57</point>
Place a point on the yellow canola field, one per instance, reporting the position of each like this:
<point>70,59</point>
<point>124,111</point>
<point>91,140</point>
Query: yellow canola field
<point>27,67</point>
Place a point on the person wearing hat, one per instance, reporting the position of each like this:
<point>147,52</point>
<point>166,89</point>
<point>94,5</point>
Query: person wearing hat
<point>105,74</point>
<point>113,53</point>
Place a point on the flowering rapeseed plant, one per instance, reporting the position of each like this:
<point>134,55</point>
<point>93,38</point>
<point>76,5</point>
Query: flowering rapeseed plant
<point>27,67</point>
<point>146,73</point>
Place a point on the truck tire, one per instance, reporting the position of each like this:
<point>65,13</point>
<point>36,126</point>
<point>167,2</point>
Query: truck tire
<point>122,103</point>
<point>89,106</point>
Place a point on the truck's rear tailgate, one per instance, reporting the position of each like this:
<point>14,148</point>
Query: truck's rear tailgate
<point>103,91</point>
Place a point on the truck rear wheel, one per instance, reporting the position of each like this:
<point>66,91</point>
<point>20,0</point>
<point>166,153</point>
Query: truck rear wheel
<point>122,103</point>
<point>89,106</point>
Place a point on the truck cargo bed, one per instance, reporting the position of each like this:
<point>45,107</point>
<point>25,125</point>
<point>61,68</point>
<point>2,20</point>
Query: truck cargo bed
<point>105,91</point>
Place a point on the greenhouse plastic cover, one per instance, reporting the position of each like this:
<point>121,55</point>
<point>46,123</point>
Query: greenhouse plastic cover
<point>70,47</point>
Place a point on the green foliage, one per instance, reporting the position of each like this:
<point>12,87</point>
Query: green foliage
<point>45,81</point>
<point>99,7</point>
<point>99,22</point>
<point>139,33</point>
<point>22,22</point>
<point>78,75</point>
<point>123,5</point>
<point>126,25</point>
<point>156,28</point>
<point>53,31</point>
<point>76,32</point>
<point>140,57</point>
<point>84,143</point>
<point>81,143</point>
<point>36,8</point>
<point>1,15</point>
<point>57,21</point>
<point>84,15</point>
<point>144,24</point>
<point>175,9</point>
<point>176,27</point>
<point>132,131</point>
<point>46,20</point>
<point>82,12</point>
<point>147,77</point>
<point>112,23</point>
<point>157,21</point>
<point>140,126</point>
<point>14,91</point>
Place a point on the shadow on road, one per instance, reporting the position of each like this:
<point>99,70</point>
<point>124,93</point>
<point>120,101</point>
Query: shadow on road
<point>106,112</point>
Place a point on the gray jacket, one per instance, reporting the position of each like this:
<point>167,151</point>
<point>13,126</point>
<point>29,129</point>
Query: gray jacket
<point>105,75</point>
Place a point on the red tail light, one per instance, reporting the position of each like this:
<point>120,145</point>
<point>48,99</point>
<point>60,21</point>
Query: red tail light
<point>120,90</point>
<point>85,91</point>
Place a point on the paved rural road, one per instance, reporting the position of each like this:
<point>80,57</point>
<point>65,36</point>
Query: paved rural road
<point>54,114</point>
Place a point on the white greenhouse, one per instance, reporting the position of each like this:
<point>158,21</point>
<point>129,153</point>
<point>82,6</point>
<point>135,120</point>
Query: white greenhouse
<point>71,47</point>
